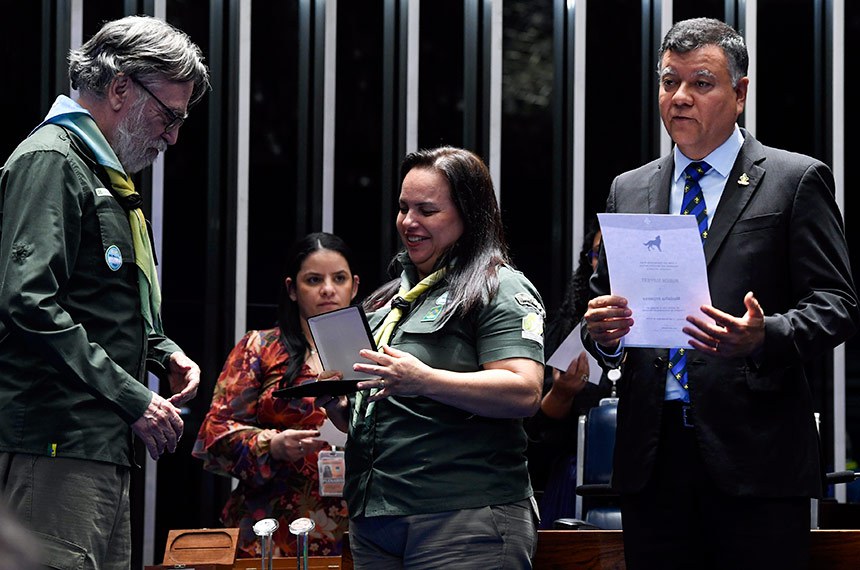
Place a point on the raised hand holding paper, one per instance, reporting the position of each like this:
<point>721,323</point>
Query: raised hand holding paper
<point>657,263</point>
<point>569,350</point>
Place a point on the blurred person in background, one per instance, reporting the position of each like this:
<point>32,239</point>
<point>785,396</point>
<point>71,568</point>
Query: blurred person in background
<point>566,395</point>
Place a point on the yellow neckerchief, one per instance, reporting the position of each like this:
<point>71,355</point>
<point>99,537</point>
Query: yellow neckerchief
<point>83,125</point>
<point>150,291</point>
<point>404,298</point>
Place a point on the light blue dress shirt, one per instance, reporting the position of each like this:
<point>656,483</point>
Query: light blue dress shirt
<point>722,159</point>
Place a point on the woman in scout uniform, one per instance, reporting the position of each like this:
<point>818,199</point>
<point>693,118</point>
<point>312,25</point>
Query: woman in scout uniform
<point>436,468</point>
<point>269,443</point>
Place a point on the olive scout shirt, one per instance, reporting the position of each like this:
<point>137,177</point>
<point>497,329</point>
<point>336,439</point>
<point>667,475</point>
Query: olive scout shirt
<point>73,348</point>
<point>414,455</point>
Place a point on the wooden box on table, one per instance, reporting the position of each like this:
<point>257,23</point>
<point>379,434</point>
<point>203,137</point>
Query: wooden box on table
<point>200,549</point>
<point>215,549</point>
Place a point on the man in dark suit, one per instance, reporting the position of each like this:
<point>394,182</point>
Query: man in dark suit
<point>717,452</point>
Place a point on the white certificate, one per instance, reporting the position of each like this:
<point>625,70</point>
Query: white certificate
<point>568,351</point>
<point>338,336</point>
<point>330,434</point>
<point>656,261</point>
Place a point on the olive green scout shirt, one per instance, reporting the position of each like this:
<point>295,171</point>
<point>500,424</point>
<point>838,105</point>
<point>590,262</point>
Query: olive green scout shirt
<point>72,343</point>
<point>414,455</point>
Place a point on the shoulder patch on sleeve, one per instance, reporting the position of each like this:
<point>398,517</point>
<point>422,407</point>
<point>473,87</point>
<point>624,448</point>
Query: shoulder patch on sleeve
<point>533,327</point>
<point>530,302</point>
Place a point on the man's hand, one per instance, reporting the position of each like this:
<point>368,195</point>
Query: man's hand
<point>160,426</point>
<point>608,319</point>
<point>184,376</point>
<point>728,336</point>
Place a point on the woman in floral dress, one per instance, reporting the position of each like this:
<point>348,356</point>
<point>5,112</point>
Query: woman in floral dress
<point>269,444</point>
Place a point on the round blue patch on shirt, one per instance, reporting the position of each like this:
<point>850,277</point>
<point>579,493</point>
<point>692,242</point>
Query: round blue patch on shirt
<point>113,257</point>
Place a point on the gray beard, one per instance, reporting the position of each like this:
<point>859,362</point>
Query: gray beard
<point>132,147</point>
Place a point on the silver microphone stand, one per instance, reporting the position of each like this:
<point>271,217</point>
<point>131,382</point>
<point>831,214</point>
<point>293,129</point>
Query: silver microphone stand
<point>265,528</point>
<point>301,528</point>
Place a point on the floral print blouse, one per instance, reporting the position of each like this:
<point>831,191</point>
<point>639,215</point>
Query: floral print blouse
<point>233,441</point>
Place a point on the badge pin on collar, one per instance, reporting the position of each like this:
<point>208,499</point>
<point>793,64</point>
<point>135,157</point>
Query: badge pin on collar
<point>744,180</point>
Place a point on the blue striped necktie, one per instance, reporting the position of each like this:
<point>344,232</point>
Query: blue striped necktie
<point>693,203</point>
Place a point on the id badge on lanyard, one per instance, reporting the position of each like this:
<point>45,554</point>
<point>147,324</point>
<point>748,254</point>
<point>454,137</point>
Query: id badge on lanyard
<point>332,473</point>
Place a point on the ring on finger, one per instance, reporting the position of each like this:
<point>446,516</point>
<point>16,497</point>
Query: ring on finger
<point>382,383</point>
<point>301,446</point>
<point>717,346</point>
<point>584,377</point>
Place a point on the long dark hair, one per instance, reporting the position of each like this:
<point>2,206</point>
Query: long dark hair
<point>577,294</point>
<point>288,311</point>
<point>482,248</point>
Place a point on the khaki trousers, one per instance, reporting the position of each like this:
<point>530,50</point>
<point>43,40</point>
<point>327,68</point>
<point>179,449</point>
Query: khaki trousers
<point>77,509</point>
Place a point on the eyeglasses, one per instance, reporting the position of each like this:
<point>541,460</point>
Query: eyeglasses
<point>592,255</point>
<point>175,120</point>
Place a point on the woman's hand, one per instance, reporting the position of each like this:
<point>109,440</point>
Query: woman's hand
<point>295,444</point>
<point>399,373</point>
<point>327,375</point>
<point>509,388</point>
<point>566,385</point>
<point>337,410</point>
<point>569,383</point>
<point>336,407</point>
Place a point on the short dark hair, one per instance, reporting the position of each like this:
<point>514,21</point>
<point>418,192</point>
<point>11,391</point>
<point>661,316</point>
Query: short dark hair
<point>141,47</point>
<point>688,35</point>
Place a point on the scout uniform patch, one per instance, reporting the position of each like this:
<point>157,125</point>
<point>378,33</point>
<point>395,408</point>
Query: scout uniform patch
<point>533,327</point>
<point>434,313</point>
<point>530,302</point>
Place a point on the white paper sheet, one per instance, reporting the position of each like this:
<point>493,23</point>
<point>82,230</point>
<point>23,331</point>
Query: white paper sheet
<point>338,336</point>
<point>332,435</point>
<point>569,350</point>
<point>657,263</point>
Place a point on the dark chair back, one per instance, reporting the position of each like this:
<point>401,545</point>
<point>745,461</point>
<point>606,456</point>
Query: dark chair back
<point>597,503</point>
<point>600,443</point>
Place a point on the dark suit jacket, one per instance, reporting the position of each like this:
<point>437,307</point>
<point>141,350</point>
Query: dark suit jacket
<point>780,236</point>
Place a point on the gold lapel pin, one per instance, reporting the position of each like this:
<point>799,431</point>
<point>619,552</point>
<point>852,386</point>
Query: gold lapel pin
<point>744,180</point>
